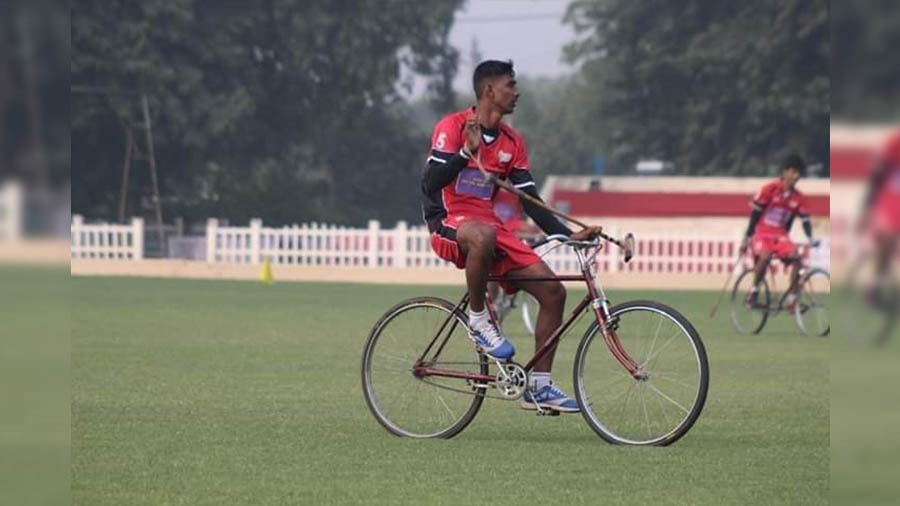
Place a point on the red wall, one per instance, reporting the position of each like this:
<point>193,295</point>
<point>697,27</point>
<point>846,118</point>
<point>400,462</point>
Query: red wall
<point>667,205</point>
<point>851,163</point>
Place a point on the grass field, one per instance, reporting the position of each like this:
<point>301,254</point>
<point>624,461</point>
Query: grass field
<point>206,392</point>
<point>34,386</point>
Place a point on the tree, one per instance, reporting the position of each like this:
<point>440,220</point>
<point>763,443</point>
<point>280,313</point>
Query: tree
<point>282,109</point>
<point>865,75</point>
<point>717,87</point>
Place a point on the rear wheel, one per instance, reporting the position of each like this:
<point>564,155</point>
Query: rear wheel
<point>429,406</point>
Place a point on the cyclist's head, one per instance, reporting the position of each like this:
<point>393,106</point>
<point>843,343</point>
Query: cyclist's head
<point>792,168</point>
<point>495,81</point>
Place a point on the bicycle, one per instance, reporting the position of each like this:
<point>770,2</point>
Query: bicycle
<point>645,383</point>
<point>749,315</point>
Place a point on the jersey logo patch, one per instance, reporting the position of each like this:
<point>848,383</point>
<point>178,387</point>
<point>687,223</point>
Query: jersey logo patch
<point>504,157</point>
<point>471,182</point>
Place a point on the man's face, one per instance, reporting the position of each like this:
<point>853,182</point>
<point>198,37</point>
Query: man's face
<point>789,177</point>
<point>503,92</point>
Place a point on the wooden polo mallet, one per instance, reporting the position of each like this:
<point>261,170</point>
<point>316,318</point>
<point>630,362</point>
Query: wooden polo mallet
<point>627,243</point>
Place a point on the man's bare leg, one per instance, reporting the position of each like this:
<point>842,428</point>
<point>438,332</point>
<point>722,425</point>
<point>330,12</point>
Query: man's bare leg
<point>477,241</point>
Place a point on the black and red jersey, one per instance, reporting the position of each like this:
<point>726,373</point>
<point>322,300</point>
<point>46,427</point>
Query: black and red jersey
<point>778,208</point>
<point>502,151</point>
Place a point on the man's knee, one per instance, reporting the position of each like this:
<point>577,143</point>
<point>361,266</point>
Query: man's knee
<point>477,236</point>
<point>553,294</point>
<point>764,258</point>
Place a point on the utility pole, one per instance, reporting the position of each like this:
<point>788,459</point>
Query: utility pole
<point>134,151</point>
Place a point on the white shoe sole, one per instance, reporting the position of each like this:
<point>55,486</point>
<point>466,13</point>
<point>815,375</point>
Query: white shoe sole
<point>529,406</point>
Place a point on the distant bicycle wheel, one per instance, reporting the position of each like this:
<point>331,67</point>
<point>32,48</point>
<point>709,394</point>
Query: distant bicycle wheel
<point>748,316</point>
<point>529,311</point>
<point>812,306</point>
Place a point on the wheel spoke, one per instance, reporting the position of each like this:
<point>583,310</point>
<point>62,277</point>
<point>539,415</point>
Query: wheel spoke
<point>666,397</point>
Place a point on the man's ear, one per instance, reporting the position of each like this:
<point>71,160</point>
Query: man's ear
<point>489,90</point>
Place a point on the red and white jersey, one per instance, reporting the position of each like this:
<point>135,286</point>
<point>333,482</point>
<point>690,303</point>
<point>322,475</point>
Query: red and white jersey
<point>502,150</point>
<point>508,208</point>
<point>779,207</point>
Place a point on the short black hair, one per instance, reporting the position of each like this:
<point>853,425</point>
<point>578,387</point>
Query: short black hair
<point>794,161</point>
<point>490,69</point>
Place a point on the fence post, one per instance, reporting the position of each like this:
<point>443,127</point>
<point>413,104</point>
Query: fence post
<point>137,234</point>
<point>400,249</point>
<point>373,243</point>
<point>77,223</point>
<point>255,232</point>
<point>13,211</point>
<point>212,229</point>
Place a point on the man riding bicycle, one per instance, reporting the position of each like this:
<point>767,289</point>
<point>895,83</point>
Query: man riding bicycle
<point>774,208</point>
<point>457,205</point>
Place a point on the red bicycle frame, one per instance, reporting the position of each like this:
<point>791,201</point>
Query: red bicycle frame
<point>424,368</point>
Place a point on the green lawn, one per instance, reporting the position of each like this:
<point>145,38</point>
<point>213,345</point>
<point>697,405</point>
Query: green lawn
<point>213,392</point>
<point>34,386</point>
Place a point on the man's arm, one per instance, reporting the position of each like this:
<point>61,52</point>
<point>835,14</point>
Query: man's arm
<point>442,169</point>
<point>757,204</point>
<point>444,166</point>
<point>807,226</point>
<point>754,218</point>
<point>523,181</point>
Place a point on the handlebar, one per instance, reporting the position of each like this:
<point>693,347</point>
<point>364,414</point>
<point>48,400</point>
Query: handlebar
<point>626,244</point>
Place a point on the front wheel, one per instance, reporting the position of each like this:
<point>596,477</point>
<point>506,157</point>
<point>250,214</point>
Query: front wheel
<point>811,312</point>
<point>658,406</point>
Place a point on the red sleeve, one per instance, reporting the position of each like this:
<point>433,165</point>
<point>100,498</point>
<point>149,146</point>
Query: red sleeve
<point>520,159</point>
<point>447,135</point>
<point>763,196</point>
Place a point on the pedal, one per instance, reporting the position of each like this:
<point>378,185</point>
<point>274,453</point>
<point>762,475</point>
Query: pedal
<point>547,412</point>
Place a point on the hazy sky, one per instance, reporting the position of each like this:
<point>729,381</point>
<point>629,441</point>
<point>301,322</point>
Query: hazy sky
<point>530,32</point>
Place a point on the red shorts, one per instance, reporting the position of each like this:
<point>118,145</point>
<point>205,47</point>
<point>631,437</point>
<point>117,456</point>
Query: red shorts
<point>779,245</point>
<point>511,252</point>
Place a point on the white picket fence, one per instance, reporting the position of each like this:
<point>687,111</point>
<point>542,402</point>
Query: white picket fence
<point>107,241</point>
<point>400,247</point>
<point>404,246</point>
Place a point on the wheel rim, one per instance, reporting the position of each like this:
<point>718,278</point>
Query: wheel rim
<point>747,318</point>
<point>652,411</point>
<point>529,312</point>
<point>813,304</point>
<point>410,406</point>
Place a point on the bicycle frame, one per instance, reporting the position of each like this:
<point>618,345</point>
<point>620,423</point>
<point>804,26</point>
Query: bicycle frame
<point>594,298</point>
<point>772,273</point>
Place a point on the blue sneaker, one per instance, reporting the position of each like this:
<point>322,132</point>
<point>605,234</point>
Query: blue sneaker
<point>492,343</point>
<point>549,397</point>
